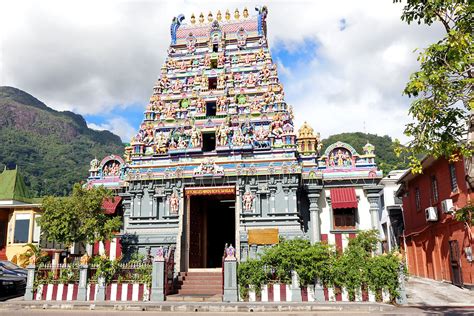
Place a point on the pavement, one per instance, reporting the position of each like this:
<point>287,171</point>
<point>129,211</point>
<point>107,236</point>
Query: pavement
<point>426,292</point>
<point>425,297</point>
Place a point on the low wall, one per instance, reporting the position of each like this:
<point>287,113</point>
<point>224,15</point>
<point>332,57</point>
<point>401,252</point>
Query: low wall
<point>282,293</point>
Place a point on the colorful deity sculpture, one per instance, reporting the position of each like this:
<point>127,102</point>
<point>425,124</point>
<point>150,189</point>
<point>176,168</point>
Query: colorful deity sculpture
<point>177,86</point>
<point>207,61</point>
<point>221,103</point>
<point>261,138</point>
<point>221,61</point>
<point>221,81</point>
<point>195,137</point>
<point>277,125</point>
<point>250,81</point>
<point>260,56</point>
<point>264,74</point>
<point>238,138</point>
<point>222,135</point>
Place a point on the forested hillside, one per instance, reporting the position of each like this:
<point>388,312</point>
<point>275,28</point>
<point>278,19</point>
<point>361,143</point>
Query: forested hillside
<point>52,149</point>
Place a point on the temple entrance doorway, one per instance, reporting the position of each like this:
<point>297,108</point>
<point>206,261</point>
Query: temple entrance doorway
<point>211,226</point>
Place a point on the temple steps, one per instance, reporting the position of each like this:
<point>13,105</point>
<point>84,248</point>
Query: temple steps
<point>200,283</point>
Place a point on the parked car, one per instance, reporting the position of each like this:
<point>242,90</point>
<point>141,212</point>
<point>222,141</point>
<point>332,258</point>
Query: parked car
<point>11,285</point>
<point>9,268</point>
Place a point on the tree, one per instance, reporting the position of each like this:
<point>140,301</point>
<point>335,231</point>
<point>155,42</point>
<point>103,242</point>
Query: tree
<point>78,217</point>
<point>443,87</point>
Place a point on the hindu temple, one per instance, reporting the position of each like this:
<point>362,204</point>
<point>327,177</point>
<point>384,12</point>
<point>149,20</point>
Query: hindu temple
<point>217,159</point>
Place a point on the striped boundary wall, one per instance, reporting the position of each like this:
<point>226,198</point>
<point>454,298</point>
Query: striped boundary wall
<point>282,293</point>
<point>114,292</point>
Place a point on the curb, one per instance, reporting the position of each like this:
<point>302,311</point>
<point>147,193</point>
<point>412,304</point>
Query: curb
<point>199,306</point>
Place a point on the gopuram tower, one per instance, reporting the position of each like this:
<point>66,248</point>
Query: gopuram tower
<point>216,159</point>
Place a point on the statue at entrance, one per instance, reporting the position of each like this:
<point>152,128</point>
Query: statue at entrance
<point>247,199</point>
<point>174,203</point>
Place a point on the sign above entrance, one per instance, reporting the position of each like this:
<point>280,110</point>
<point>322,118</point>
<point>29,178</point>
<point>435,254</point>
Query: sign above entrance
<point>210,191</point>
<point>267,236</point>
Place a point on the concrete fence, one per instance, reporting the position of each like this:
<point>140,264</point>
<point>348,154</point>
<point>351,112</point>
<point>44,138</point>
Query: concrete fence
<point>130,282</point>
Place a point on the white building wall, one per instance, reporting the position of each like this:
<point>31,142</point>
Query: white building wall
<point>363,220</point>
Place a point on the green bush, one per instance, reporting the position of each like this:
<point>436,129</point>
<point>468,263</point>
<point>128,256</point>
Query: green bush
<point>357,267</point>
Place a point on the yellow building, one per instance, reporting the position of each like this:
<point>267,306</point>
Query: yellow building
<point>18,214</point>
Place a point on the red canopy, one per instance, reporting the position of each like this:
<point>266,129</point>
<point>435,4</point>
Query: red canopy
<point>343,198</point>
<point>110,205</point>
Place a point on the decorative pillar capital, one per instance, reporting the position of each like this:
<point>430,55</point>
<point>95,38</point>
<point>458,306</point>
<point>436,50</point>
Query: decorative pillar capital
<point>314,192</point>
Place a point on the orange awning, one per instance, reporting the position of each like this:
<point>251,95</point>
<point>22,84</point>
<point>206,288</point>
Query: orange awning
<point>343,198</point>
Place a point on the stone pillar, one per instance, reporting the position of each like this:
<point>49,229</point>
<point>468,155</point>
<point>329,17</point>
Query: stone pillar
<point>230,276</point>
<point>158,277</point>
<point>295,288</point>
<point>30,281</point>
<point>402,298</point>
<point>100,297</point>
<point>373,195</point>
<point>237,223</point>
<point>319,291</point>
<point>313,195</point>
<point>82,288</point>
<point>272,199</point>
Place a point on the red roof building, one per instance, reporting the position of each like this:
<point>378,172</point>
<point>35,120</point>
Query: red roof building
<point>437,245</point>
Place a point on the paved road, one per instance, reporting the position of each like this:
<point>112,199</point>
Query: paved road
<point>398,311</point>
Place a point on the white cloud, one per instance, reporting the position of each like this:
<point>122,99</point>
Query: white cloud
<point>117,125</point>
<point>91,57</point>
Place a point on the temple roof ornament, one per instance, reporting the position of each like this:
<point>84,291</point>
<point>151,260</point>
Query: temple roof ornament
<point>175,24</point>
<point>305,131</point>
<point>369,149</point>
<point>308,143</point>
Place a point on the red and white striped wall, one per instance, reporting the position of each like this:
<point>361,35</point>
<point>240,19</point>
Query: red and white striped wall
<point>127,292</point>
<point>339,240</point>
<point>282,293</point>
<point>112,248</point>
<point>113,292</point>
<point>56,292</point>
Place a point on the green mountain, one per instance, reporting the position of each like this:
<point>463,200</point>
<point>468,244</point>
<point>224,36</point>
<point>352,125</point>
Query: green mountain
<point>384,148</point>
<point>52,149</point>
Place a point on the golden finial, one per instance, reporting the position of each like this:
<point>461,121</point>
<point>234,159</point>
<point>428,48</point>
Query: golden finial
<point>219,16</point>
<point>245,13</point>
<point>209,16</point>
<point>227,15</point>
<point>201,18</point>
<point>236,14</point>
<point>193,19</point>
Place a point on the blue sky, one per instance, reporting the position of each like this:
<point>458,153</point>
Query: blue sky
<point>343,63</point>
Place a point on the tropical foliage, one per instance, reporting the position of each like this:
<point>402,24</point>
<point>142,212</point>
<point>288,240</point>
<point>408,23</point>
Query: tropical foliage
<point>78,217</point>
<point>356,268</point>
<point>443,87</point>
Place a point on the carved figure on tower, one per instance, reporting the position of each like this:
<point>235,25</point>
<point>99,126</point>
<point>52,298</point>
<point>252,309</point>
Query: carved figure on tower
<point>221,61</point>
<point>264,74</point>
<point>250,81</point>
<point>247,200</point>
<point>222,135</point>
<point>261,138</point>
<point>195,137</point>
<point>221,81</point>
<point>277,125</point>
<point>174,203</point>
<point>221,103</point>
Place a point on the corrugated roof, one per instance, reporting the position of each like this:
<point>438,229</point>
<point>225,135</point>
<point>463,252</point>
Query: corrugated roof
<point>12,186</point>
